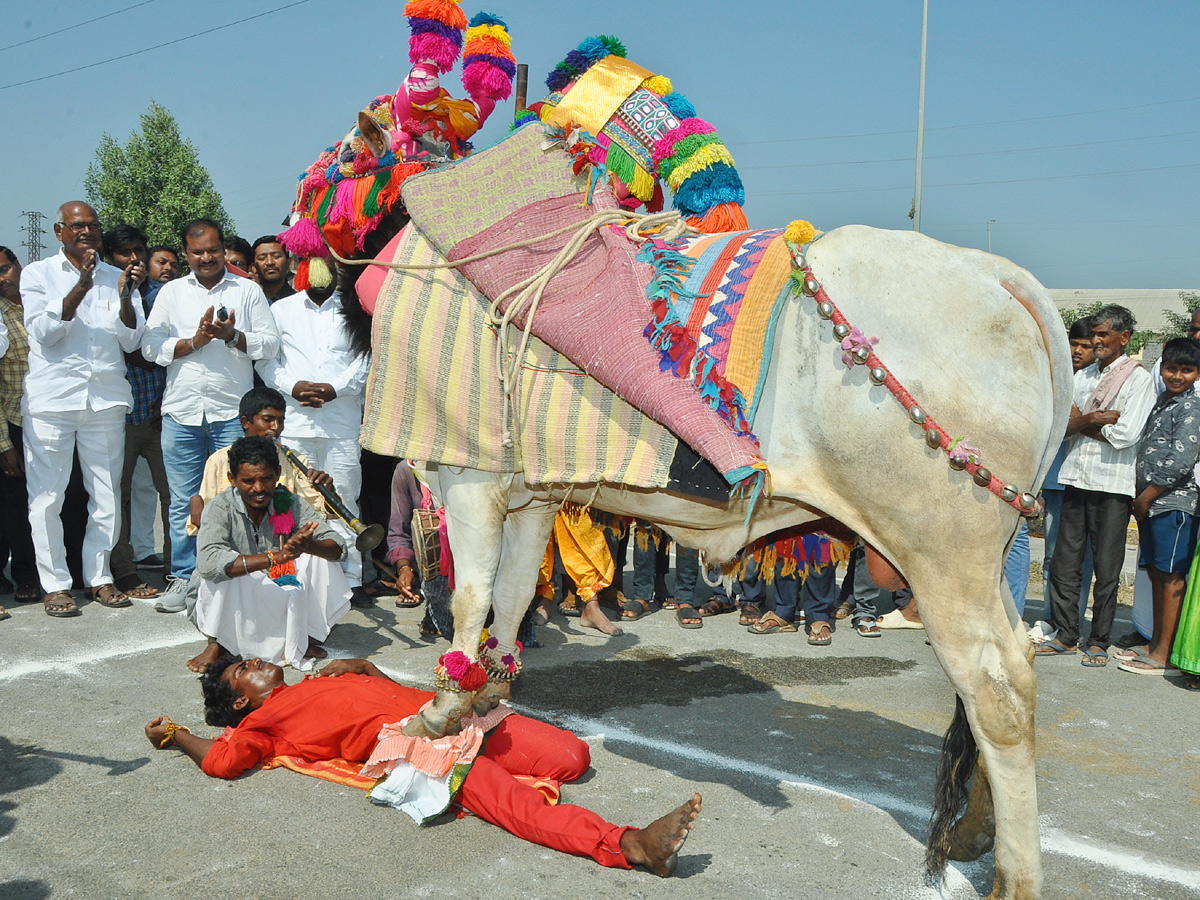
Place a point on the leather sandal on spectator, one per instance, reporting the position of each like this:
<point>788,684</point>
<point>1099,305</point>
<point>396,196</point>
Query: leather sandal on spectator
<point>60,604</point>
<point>108,595</point>
<point>28,592</point>
<point>133,586</point>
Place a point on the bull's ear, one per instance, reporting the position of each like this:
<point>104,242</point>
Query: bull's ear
<point>373,136</point>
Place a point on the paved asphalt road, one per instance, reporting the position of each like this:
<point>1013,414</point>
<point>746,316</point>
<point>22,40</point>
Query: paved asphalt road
<point>816,767</point>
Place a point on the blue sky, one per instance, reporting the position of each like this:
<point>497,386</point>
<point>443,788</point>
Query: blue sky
<point>1075,126</point>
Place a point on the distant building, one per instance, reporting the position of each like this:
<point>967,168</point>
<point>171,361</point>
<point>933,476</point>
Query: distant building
<point>1147,306</point>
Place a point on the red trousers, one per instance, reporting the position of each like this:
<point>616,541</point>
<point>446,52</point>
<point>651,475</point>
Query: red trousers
<point>523,746</point>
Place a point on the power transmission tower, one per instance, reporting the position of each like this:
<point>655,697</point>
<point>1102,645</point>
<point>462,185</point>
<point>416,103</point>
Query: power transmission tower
<point>33,235</point>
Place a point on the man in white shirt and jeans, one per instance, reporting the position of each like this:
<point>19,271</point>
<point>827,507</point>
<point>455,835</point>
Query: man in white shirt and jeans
<point>80,322</point>
<point>1113,398</point>
<point>206,328</point>
<point>322,380</point>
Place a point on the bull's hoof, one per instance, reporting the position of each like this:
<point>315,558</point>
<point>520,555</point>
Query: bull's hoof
<point>489,696</point>
<point>968,847</point>
<point>432,723</point>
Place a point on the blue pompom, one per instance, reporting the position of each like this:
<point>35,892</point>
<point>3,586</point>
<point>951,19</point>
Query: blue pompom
<point>482,18</point>
<point>706,188</point>
<point>593,48</point>
<point>679,105</point>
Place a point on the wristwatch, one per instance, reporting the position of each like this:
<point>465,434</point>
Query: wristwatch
<point>233,340</point>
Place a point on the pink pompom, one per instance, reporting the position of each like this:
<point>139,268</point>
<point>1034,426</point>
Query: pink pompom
<point>303,239</point>
<point>484,79</point>
<point>456,663</point>
<point>433,46</point>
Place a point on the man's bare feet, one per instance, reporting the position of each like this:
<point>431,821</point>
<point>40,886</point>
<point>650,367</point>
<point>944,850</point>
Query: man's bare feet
<point>315,650</point>
<point>656,847</point>
<point>209,654</point>
<point>593,617</point>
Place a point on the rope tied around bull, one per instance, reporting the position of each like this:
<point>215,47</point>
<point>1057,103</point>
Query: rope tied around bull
<point>527,293</point>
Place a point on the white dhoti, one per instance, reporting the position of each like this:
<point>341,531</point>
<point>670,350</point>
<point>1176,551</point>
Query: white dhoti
<point>253,616</point>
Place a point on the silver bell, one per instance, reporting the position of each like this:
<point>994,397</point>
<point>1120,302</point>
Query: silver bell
<point>933,438</point>
<point>917,414</point>
<point>841,329</point>
<point>1028,501</point>
<point>957,464</point>
<point>878,375</point>
<point>1008,493</point>
<point>982,476</point>
<point>811,286</point>
<point>861,354</point>
<point>825,309</point>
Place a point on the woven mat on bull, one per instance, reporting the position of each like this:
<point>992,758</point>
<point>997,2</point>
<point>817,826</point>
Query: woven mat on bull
<point>433,393</point>
<point>595,310</point>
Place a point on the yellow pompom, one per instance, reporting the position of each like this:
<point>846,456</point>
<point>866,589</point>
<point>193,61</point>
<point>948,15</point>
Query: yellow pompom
<point>493,31</point>
<point>800,232</point>
<point>658,84</point>
<point>319,275</point>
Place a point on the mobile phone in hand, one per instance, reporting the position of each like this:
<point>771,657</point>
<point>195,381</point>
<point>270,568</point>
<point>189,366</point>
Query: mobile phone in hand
<point>222,314</point>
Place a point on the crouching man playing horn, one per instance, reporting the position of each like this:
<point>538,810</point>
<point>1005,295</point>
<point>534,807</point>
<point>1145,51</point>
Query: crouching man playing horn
<point>269,585</point>
<point>350,714</point>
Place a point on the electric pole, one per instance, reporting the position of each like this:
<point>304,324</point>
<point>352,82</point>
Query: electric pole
<point>33,235</point>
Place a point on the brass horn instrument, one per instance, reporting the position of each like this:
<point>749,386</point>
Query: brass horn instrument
<point>369,536</point>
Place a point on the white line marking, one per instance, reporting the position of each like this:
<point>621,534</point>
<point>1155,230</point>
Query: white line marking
<point>92,656</point>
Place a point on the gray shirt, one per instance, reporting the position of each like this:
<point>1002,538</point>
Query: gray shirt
<point>1169,450</point>
<point>226,533</point>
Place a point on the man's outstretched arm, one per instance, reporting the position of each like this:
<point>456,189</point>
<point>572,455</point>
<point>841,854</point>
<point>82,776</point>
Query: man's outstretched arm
<point>161,728</point>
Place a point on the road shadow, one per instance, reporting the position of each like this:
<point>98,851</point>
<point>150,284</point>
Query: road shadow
<point>24,890</point>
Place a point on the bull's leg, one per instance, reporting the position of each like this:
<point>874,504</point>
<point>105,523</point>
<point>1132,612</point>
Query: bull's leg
<point>977,638</point>
<point>476,503</point>
<point>526,534</point>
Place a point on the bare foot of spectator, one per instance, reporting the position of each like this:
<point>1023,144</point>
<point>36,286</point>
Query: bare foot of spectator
<point>315,650</point>
<point>200,661</point>
<point>593,617</point>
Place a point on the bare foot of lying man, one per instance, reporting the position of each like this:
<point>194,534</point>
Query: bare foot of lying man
<point>593,617</point>
<point>339,714</point>
<point>656,847</point>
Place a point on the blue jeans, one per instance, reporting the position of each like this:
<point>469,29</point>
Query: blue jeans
<point>650,565</point>
<point>687,573</point>
<point>185,449</point>
<point>1016,567</point>
<point>817,596</point>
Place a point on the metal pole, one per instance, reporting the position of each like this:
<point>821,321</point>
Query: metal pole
<point>522,85</point>
<point>991,222</point>
<point>916,209</point>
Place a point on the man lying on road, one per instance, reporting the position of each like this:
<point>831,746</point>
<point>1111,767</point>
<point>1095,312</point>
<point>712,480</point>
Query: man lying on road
<point>339,713</point>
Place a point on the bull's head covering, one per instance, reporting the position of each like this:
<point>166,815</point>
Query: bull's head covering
<point>344,195</point>
<point>640,131</point>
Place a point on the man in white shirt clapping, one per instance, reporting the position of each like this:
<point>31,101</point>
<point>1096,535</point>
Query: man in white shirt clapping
<point>81,319</point>
<point>206,328</point>
<point>322,380</point>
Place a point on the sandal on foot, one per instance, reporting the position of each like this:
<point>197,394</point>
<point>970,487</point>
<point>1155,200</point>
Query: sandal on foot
<point>750,614</point>
<point>404,603</point>
<point>867,628</point>
<point>1054,648</point>
<point>1094,659</point>
<point>108,595</point>
<point>138,589</point>
<point>687,612</point>
<point>670,603</point>
<point>571,609</point>
<point>820,635</point>
<point>845,610</point>
<point>1191,683</point>
<point>1143,665</point>
<point>715,608</point>
<point>28,592</point>
<point>633,609</point>
<point>1127,653</point>
<point>60,604</point>
<point>4,614</point>
<point>771,624</point>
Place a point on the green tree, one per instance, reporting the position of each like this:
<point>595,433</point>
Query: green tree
<point>155,181</point>
<point>1136,341</point>
<point>1178,323</point>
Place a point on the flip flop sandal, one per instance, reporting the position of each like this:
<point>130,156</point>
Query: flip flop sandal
<point>635,609</point>
<point>1144,666</point>
<point>29,592</point>
<point>670,603</point>
<point>108,595</point>
<point>715,608</point>
<point>1054,648</point>
<point>4,614</point>
<point>407,604</point>
<point>1097,660</point>
<point>570,610</point>
<point>1131,652</point>
<point>750,614</point>
<point>771,624</point>
<point>1191,683</point>
<point>820,635</point>
<point>867,628</point>
<point>845,611</point>
<point>687,612</point>
<point>60,605</point>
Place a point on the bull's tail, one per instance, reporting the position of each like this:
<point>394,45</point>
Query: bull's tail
<point>955,767</point>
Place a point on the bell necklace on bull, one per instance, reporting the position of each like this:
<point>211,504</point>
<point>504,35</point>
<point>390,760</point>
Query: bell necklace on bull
<point>858,349</point>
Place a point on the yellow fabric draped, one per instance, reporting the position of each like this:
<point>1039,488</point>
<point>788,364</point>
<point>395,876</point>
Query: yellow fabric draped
<point>599,93</point>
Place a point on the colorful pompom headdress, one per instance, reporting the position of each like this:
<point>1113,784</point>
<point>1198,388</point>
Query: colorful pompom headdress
<point>352,186</point>
<point>642,132</point>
